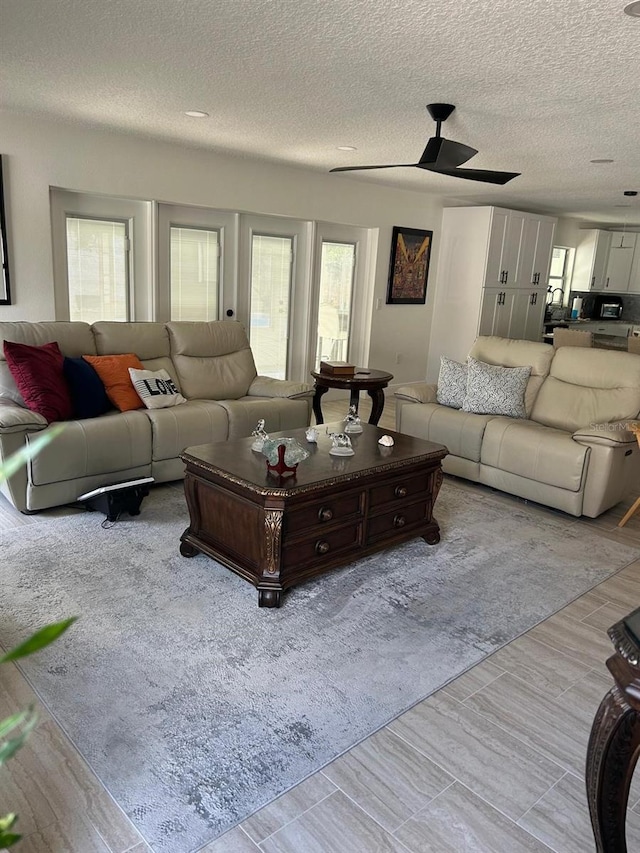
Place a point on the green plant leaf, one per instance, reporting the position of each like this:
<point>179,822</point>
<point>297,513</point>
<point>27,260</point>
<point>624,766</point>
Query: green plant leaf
<point>39,640</point>
<point>8,839</point>
<point>7,821</point>
<point>9,723</point>
<point>11,746</point>
<point>22,456</point>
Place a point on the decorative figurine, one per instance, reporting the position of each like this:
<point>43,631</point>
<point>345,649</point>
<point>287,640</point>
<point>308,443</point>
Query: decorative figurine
<point>311,435</point>
<point>260,436</point>
<point>283,455</point>
<point>386,441</point>
<point>352,421</point>
<point>341,444</point>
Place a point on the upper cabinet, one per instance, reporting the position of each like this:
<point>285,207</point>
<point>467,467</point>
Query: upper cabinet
<point>621,250</point>
<point>607,260</point>
<point>493,269</point>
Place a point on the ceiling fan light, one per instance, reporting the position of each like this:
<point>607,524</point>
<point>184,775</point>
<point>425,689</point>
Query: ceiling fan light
<point>633,9</point>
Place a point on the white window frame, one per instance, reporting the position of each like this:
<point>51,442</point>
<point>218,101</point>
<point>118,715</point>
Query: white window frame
<point>301,233</point>
<point>185,216</point>
<point>139,218</point>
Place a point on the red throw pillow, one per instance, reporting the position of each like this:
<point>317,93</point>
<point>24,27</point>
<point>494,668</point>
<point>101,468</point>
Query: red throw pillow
<point>40,379</point>
<point>114,372</point>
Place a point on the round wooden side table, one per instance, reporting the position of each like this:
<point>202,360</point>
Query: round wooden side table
<point>364,379</point>
<point>614,743</point>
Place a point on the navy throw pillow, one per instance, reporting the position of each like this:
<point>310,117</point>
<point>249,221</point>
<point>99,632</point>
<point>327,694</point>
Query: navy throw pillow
<point>88,396</point>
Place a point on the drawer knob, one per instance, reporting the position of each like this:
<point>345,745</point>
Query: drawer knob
<point>400,491</point>
<point>399,521</point>
<point>325,514</point>
<point>322,547</point>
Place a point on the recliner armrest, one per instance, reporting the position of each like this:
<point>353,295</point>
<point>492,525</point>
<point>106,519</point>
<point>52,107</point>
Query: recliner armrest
<point>15,418</point>
<point>421,392</point>
<point>609,434</point>
<point>267,386</point>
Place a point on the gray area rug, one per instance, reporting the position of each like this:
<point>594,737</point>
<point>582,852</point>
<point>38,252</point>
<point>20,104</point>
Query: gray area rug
<point>195,708</point>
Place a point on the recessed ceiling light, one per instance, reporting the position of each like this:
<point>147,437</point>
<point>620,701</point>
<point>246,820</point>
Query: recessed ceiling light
<point>196,114</point>
<point>346,148</point>
<point>601,160</point>
<point>633,9</point>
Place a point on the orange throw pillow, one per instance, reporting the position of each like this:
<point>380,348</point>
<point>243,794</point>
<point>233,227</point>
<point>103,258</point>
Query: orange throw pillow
<point>113,370</point>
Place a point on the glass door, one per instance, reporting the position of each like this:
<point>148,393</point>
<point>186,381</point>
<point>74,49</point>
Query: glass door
<point>197,263</point>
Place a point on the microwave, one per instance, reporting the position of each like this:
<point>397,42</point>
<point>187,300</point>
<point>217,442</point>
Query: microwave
<point>608,308</point>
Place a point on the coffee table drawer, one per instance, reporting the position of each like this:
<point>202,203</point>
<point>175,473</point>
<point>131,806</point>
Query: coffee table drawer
<point>397,520</point>
<point>322,546</point>
<point>329,510</point>
<point>400,489</point>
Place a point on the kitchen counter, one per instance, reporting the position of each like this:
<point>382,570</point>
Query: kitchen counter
<point>607,334</point>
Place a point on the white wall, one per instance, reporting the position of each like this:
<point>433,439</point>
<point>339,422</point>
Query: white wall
<point>39,154</point>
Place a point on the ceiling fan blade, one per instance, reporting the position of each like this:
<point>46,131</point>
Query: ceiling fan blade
<point>487,176</point>
<point>445,153</point>
<point>357,168</point>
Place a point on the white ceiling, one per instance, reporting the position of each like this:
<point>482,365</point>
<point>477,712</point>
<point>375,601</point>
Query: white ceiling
<point>540,86</point>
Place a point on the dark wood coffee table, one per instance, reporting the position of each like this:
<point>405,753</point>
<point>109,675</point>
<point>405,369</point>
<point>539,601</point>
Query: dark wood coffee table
<point>277,532</point>
<point>364,379</point>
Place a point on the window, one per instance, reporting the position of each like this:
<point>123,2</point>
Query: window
<point>271,268</point>
<point>194,273</point>
<point>103,250</point>
<point>337,264</point>
<point>557,292</point>
<point>292,283</point>
<point>97,265</point>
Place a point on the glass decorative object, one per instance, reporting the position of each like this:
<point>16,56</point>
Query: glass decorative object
<point>283,455</point>
<point>352,422</point>
<point>340,444</point>
<point>260,436</point>
<point>311,435</point>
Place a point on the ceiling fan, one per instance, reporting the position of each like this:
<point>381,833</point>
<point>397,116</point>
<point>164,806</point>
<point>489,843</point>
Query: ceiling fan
<point>444,156</point>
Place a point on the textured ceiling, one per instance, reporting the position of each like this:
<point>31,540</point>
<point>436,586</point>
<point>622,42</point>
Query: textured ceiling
<point>540,86</point>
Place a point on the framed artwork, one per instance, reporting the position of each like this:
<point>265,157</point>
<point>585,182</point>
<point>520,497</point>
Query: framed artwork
<point>409,266</point>
<point>5,292</point>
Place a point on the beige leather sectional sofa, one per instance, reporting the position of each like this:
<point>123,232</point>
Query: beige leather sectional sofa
<point>213,367</point>
<point>573,451</point>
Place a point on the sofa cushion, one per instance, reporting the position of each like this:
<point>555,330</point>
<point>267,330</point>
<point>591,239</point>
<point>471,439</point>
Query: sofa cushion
<point>213,361</point>
<point>536,452</point>
<point>38,374</point>
<point>88,397</point>
<point>156,388</point>
<point>112,443</point>
<point>194,422</point>
<point>495,390</point>
<point>589,386</point>
<point>461,432</point>
<point>452,383</point>
<point>278,413</point>
<point>113,370</point>
<point>514,353</point>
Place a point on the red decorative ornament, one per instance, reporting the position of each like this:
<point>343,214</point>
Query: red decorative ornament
<point>281,468</point>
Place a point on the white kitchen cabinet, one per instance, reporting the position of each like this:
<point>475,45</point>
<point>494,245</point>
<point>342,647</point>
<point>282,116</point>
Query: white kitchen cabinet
<point>496,312</point>
<point>621,250</point>
<point>528,315</point>
<point>590,262</point>
<point>484,252</point>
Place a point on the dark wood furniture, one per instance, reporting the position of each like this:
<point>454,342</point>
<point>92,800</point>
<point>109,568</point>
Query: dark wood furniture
<point>614,743</point>
<point>276,532</point>
<point>365,379</point>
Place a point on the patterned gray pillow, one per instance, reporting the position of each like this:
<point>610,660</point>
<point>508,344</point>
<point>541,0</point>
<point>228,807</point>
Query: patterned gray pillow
<point>452,383</point>
<point>494,390</point>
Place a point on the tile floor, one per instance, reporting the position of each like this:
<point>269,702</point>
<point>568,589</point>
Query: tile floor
<point>493,761</point>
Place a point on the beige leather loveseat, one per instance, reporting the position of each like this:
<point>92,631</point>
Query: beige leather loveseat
<point>572,452</point>
<point>213,367</point>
